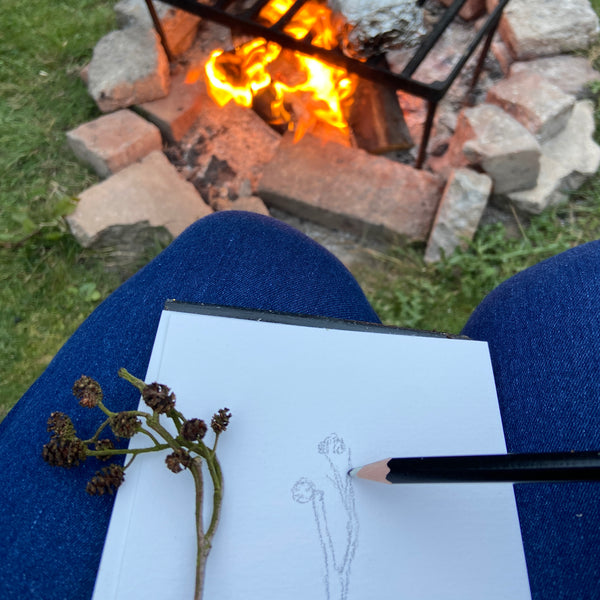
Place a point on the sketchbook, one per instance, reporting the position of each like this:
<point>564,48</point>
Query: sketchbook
<point>310,398</point>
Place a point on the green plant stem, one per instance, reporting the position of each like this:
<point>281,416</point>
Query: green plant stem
<point>146,432</point>
<point>199,447</point>
<point>214,468</point>
<point>177,418</point>
<point>127,376</point>
<point>204,540</point>
<point>97,434</point>
<point>154,423</point>
<point>133,451</point>
<point>126,466</point>
<point>202,544</point>
<point>106,411</point>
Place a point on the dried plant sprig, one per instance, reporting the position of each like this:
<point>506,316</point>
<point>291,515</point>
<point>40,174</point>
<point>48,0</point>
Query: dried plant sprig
<point>88,391</point>
<point>188,448</point>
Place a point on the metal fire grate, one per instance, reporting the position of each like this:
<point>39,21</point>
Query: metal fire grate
<point>225,13</point>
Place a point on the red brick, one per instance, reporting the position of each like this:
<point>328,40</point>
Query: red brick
<point>346,188</point>
<point>114,141</point>
<point>149,193</point>
<point>175,114</point>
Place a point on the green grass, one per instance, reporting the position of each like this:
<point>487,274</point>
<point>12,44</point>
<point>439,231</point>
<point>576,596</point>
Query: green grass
<point>43,47</point>
<point>48,284</point>
<point>407,292</point>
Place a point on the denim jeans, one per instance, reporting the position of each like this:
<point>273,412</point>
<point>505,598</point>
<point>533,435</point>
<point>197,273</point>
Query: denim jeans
<point>542,327</point>
<point>543,330</point>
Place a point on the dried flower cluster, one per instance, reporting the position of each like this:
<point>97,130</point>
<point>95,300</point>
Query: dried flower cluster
<point>64,449</point>
<point>106,480</point>
<point>124,424</point>
<point>159,398</point>
<point>194,430</point>
<point>178,460</point>
<point>188,450</point>
<point>88,391</point>
<point>220,420</point>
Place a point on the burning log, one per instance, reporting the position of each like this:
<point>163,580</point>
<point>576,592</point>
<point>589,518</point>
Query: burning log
<point>292,90</point>
<point>376,119</point>
<point>282,86</point>
<point>379,25</point>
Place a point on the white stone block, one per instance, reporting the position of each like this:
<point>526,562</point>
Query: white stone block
<point>567,161</point>
<point>533,28</point>
<point>463,202</point>
<point>491,140</point>
<point>539,105</point>
<point>128,67</point>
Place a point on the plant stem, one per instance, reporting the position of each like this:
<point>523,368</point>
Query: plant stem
<point>204,540</point>
<point>134,451</point>
<point>97,434</point>
<point>201,546</point>
<point>146,432</point>
<point>214,469</point>
<point>127,376</point>
<point>177,418</point>
<point>154,423</point>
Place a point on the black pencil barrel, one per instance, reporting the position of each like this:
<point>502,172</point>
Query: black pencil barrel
<point>516,468</point>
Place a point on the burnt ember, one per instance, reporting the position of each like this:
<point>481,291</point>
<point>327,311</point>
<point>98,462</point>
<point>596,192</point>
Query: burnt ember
<point>214,183</point>
<point>175,155</point>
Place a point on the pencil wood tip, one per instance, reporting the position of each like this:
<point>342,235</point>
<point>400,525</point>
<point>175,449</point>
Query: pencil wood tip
<point>375,471</point>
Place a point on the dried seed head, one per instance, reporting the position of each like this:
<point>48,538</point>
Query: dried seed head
<point>104,444</point>
<point>124,424</point>
<point>158,397</point>
<point>193,430</point>
<point>178,460</point>
<point>107,480</point>
<point>60,425</point>
<point>64,452</point>
<point>88,391</point>
<point>220,420</point>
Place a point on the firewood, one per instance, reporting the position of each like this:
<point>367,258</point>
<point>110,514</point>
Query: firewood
<point>376,119</point>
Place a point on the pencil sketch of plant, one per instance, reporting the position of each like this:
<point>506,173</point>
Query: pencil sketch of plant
<point>337,556</point>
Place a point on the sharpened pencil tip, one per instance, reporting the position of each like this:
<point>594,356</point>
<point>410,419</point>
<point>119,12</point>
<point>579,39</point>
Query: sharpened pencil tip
<point>353,472</point>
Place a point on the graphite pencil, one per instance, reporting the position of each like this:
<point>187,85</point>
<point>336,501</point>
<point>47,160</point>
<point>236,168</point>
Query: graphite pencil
<point>516,468</point>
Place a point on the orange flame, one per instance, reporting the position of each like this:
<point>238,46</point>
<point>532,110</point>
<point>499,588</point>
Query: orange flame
<point>300,90</point>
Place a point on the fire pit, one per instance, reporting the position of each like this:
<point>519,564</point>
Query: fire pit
<point>246,19</point>
<point>524,144</point>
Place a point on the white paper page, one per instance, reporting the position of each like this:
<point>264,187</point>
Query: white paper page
<point>303,400</point>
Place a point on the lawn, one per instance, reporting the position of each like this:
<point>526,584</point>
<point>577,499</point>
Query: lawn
<point>48,284</point>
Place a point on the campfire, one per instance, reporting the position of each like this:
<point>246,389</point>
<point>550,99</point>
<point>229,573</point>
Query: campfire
<point>296,64</point>
<point>277,74</point>
<point>289,89</point>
